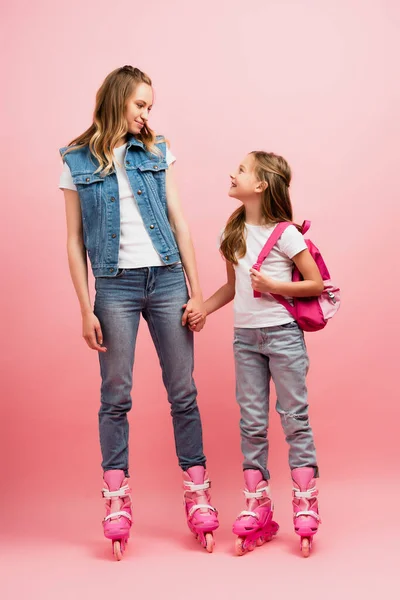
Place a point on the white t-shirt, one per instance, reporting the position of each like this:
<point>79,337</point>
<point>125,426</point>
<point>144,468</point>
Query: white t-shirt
<point>252,312</point>
<point>135,249</point>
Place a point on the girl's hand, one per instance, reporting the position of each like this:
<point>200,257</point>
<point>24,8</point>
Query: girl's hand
<point>91,331</point>
<point>197,321</point>
<point>199,325</point>
<point>262,283</point>
<point>194,305</point>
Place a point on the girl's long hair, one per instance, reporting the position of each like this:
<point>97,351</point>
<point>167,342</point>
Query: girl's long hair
<point>109,121</point>
<point>275,203</point>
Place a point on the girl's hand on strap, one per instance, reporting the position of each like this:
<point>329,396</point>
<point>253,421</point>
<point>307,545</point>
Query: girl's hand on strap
<point>91,331</point>
<point>262,283</point>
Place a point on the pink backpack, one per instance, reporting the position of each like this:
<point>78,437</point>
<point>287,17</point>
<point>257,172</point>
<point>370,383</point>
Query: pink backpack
<point>311,314</point>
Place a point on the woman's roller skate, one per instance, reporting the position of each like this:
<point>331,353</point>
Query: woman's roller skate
<point>254,526</point>
<point>118,519</point>
<point>202,518</point>
<point>305,507</point>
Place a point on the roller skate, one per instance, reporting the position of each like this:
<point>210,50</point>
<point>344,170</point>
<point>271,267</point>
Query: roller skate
<point>305,507</point>
<point>118,519</point>
<point>202,518</point>
<point>254,526</point>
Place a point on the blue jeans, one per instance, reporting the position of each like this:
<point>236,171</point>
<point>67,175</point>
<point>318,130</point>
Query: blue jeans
<point>278,352</point>
<point>157,293</point>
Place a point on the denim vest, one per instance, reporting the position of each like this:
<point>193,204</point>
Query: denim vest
<point>99,200</point>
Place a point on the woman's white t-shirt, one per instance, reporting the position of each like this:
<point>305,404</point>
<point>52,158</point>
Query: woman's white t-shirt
<point>135,249</point>
<point>252,312</point>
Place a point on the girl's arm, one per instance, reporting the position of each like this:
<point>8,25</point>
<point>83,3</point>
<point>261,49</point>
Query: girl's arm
<point>79,270</point>
<point>223,296</point>
<point>183,238</point>
<point>312,285</point>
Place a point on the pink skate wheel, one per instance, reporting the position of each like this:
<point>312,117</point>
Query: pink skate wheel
<point>239,546</point>
<point>261,540</point>
<point>117,550</point>
<point>305,547</point>
<point>209,542</point>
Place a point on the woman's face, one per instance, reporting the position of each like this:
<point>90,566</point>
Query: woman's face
<point>138,108</point>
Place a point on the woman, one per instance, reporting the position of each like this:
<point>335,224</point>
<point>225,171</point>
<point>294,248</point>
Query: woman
<point>123,211</point>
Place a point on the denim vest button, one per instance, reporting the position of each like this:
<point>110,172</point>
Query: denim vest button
<point>139,192</point>
<point>151,226</point>
<point>155,167</point>
<point>112,199</point>
<point>111,270</point>
<point>87,179</point>
<point>128,162</point>
<point>114,235</point>
<point>167,258</point>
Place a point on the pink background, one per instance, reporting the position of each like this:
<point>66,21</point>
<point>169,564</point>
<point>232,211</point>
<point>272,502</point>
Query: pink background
<point>315,81</point>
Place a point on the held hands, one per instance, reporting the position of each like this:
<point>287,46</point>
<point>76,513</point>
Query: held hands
<point>194,315</point>
<point>262,283</point>
<point>91,331</point>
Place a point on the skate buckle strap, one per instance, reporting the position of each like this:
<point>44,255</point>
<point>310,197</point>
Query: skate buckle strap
<point>120,513</point>
<point>199,506</point>
<point>311,493</point>
<point>261,493</point>
<point>248,513</point>
<point>308,513</point>
<point>123,492</point>
<point>197,487</point>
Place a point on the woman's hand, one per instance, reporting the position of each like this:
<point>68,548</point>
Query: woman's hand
<point>91,331</point>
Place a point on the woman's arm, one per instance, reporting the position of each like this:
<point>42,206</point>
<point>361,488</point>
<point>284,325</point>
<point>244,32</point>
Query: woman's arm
<point>183,238</point>
<point>79,270</point>
<point>312,285</point>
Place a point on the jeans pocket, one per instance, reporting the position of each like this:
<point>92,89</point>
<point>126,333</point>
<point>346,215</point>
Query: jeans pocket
<point>175,268</point>
<point>291,325</point>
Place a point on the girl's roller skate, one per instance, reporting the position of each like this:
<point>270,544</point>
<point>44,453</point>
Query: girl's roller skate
<point>254,526</point>
<point>202,518</point>
<point>305,507</point>
<point>118,519</point>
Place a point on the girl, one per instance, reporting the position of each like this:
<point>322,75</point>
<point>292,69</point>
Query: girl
<point>123,211</point>
<point>268,343</point>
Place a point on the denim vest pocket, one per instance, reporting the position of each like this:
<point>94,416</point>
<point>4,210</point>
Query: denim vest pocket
<point>89,186</point>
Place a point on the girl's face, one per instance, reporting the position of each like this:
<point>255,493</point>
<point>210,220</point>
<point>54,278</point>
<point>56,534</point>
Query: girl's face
<point>244,183</point>
<point>138,108</point>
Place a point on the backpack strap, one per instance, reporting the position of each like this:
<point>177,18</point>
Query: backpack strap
<point>273,238</point>
<point>281,299</point>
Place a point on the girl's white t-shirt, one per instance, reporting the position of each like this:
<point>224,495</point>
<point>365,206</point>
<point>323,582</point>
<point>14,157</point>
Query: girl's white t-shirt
<point>250,312</point>
<point>135,249</point>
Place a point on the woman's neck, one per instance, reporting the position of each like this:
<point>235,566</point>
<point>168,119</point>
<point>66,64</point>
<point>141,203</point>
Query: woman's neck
<point>121,142</point>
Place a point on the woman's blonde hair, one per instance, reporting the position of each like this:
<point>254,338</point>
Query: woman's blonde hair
<point>275,203</point>
<point>109,121</point>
